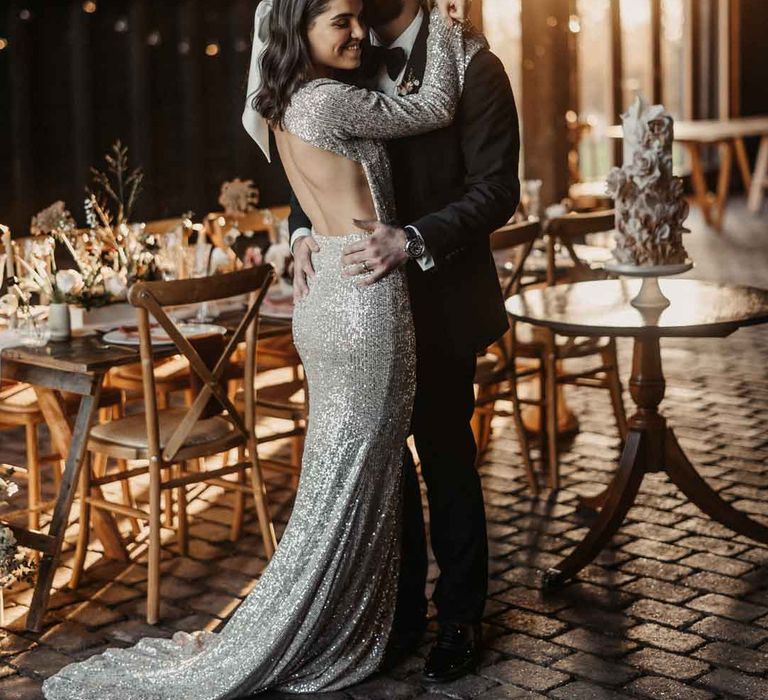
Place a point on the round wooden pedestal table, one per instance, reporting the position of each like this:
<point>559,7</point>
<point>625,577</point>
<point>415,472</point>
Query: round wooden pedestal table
<point>603,308</point>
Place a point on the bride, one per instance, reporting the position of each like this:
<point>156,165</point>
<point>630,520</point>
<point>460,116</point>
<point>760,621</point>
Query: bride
<point>319,618</point>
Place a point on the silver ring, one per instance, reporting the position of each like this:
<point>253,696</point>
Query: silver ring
<point>366,269</point>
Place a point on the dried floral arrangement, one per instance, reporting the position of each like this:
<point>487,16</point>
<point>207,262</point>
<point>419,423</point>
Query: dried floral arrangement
<point>110,255</point>
<point>238,197</point>
<point>650,207</point>
<point>14,564</point>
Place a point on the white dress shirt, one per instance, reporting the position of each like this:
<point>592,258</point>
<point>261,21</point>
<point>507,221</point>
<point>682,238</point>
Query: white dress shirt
<point>388,86</point>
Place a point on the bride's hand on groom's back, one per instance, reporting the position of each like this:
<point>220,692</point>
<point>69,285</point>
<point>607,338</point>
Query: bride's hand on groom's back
<point>376,256</point>
<point>302,266</point>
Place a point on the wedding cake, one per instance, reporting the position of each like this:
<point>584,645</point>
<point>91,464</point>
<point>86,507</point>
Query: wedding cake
<point>649,202</point>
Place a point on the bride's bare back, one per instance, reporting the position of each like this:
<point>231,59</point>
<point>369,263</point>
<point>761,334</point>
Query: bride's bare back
<point>331,189</point>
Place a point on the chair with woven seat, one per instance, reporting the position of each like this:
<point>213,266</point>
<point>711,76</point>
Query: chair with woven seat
<point>552,350</point>
<point>180,438</point>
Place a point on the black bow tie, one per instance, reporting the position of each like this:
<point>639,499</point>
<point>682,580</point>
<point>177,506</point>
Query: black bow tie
<point>394,59</point>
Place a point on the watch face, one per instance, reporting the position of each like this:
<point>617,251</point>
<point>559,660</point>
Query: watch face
<point>415,248</point>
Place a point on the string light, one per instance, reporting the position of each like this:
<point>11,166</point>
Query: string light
<point>154,38</point>
<point>25,15</point>
<point>3,43</point>
<point>212,49</point>
<point>89,6</point>
<point>121,26</point>
<point>184,47</point>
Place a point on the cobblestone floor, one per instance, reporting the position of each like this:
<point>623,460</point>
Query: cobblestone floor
<point>676,607</point>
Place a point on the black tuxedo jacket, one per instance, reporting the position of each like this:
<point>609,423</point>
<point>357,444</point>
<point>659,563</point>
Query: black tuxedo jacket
<point>457,185</point>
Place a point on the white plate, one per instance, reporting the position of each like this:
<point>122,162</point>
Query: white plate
<point>160,337</point>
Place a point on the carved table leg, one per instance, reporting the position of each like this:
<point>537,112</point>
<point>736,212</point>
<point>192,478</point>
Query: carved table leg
<point>619,497</point>
<point>687,479</point>
<point>643,452</point>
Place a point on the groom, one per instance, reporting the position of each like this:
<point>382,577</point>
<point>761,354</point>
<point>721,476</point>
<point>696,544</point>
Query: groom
<point>453,188</point>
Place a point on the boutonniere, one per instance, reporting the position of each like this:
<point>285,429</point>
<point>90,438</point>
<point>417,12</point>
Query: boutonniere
<point>409,84</point>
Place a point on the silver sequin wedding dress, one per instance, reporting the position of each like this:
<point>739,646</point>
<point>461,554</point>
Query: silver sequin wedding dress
<point>320,615</point>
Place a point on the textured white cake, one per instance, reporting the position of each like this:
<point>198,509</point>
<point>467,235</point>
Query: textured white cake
<point>650,207</point>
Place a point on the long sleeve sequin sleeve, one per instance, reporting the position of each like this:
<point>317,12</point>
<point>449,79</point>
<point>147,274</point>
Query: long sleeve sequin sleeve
<point>351,112</point>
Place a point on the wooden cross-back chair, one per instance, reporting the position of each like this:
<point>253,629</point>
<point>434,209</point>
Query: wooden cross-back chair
<point>498,371</point>
<point>180,437</point>
<point>569,230</point>
<point>171,374</point>
<point>551,350</point>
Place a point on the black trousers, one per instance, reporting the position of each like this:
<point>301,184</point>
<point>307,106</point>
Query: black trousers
<point>441,429</point>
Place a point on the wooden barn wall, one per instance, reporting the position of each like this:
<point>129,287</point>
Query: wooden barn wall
<point>72,82</point>
<point>753,57</point>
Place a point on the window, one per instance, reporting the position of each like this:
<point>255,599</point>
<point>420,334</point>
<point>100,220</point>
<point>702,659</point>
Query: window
<point>676,59</point>
<point>501,24</point>
<point>502,28</point>
<point>592,24</point>
<point>636,51</point>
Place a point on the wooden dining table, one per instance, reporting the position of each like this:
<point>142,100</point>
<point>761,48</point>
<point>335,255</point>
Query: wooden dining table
<point>79,366</point>
<point>728,136</point>
<point>602,308</point>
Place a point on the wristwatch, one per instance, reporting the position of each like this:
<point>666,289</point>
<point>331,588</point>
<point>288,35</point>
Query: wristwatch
<point>414,243</point>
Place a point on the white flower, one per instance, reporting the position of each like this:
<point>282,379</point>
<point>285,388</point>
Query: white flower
<point>114,283</point>
<point>9,304</point>
<point>7,489</point>
<point>69,281</point>
<point>616,181</point>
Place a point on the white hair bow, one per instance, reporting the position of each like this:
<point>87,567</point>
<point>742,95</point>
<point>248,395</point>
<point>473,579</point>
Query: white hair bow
<point>253,122</point>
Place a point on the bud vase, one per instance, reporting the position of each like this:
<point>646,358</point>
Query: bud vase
<point>59,322</point>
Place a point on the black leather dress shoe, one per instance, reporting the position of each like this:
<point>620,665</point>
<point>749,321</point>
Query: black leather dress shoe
<point>402,643</point>
<point>455,653</point>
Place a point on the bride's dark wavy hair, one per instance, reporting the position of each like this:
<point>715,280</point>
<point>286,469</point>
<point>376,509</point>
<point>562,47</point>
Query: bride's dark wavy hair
<point>286,62</point>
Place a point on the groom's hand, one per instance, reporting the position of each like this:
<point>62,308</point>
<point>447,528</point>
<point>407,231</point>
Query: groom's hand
<point>302,266</point>
<point>457,10</point>
<point>375,257</point>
